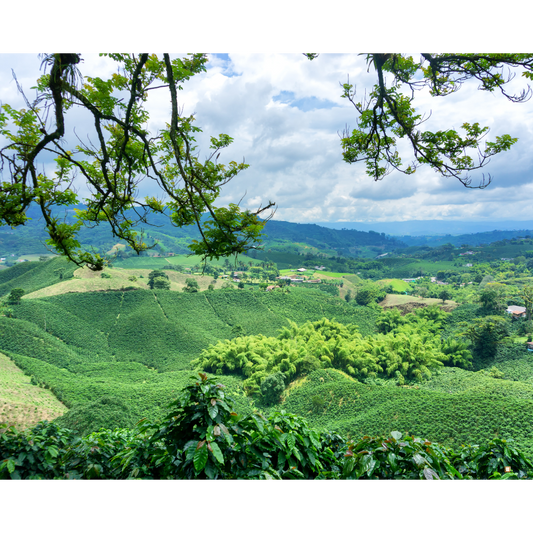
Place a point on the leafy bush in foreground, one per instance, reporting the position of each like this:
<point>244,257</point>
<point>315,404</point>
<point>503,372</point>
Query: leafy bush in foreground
<point>202,437</point>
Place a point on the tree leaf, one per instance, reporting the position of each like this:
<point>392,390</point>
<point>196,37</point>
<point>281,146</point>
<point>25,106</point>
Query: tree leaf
<point>217,452</point>
<point>200,456</point>
<point>418,459</point>
<point>213,411</point>
<point>291,441</point>
<point>429,473</point>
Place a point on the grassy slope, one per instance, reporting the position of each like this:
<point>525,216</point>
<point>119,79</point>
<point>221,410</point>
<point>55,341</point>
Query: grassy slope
<point>137,345</point>
<point>86,280</point>
<point>32,276</point>
<point>395,300</point>
<point>21,403</point>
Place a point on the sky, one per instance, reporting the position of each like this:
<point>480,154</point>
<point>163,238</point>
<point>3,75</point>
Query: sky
<point>286,116</point>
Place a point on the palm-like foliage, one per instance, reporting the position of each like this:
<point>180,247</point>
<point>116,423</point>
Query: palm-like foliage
<point>410,350</point>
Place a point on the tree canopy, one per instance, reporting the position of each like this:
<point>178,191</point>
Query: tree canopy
<point>122,151</point>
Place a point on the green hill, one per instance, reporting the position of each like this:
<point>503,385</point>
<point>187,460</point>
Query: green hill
<point>101,351</point>
<point>475,409</point>
<point>136,345</point>
<point>34,275</point>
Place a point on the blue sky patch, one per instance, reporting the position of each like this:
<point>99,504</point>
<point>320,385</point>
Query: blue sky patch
<point>308,103</point>
<point>227,65</point>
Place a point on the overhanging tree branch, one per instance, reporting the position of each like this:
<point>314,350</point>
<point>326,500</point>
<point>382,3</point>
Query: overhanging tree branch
<point>388,114</point>
<point>125,154</point>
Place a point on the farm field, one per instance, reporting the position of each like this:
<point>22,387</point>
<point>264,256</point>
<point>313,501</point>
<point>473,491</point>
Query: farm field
<point>394,300</point>
<point>111,351</point>
<point>153,263</point>
<point>454,407</point>
<point>85,280</point>
<point>35,257</point>
<point>397,284</point>
<point>90,344</point>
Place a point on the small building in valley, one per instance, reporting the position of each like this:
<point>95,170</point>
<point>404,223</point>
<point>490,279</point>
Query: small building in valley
<point>516,311</point>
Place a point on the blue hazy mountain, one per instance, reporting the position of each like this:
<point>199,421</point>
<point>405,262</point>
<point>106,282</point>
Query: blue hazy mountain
<point>433,227</point>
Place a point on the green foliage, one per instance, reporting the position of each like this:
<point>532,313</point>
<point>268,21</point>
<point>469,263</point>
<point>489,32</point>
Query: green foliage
<point>108,412</point>
<point>406,457</point>
<point>457,353</point>
<point>272,387</point>
<point>389,320</point>
<point>369,293</point>
<point>485,333</point>
<point>161,283</point>
<point>34,275</point>
<point>444,295</point>
<point>387,114</point>
<point>160,277</point>
<point>203,437</point>
<point>454,406</point>
<point>126,154</point>
<point>410,350</point>
<point>35,454</point>
<point>397,457</point>
<point>495,373</point>
<point>15,296</point>
<point>191,285</point>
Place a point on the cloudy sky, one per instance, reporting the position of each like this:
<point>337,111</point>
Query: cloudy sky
<point>285,114</point>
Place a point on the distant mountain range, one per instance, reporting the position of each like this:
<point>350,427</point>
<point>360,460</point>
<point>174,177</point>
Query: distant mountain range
<point>347,238</point>
<point>433,227</point>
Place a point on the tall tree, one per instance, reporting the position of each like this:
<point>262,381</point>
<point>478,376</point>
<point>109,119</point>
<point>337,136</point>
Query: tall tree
<point>15,296</point>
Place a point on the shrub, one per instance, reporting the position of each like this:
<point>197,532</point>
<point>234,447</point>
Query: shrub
<point>272,387</point>
<point>191,285</point>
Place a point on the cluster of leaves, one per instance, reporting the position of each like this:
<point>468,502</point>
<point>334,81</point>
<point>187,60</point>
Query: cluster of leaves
<point>157,279</point>
<point>203,438</point>
<point>485,334</point>
<point>191,285</point>
<point>408,457</point>
<point>368,293</point>
<point>387,114</point>
<point>429,320</point>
